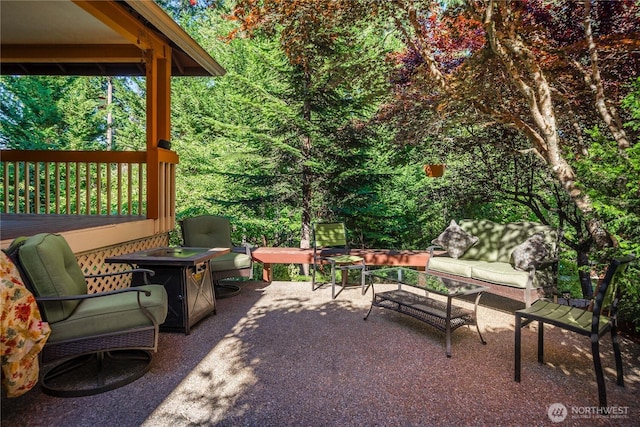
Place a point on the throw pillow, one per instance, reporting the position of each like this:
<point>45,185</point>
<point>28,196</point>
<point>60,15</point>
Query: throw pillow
<point>533,250</point>
<point>455,240</point>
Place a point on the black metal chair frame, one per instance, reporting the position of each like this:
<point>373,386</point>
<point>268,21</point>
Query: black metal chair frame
<point>583,322</point>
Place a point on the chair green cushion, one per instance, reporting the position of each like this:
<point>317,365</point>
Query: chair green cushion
<point>112,313</point>
<point>53,270</point>
<point>329,235</point>
<point>576,318</point>
<point>345,259</point>
<point>230,261</point>
<point>206,231</point>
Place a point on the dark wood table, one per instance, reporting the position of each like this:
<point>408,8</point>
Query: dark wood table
<point>185,274</point>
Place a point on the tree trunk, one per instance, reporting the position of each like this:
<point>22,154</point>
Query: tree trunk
<point>305,235</point>
<point>529,78</point>
<point>608,114</point>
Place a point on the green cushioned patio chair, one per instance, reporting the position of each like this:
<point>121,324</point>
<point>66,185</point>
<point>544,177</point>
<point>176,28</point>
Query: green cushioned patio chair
<point>209,231</point>
<point>330,247</point>
<point>98,341</point>
<point>592,324</point>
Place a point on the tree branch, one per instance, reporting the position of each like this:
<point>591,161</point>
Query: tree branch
<point>609,115</point>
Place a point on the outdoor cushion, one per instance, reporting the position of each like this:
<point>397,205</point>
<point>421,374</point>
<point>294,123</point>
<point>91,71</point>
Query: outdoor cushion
<point>455,240</point>
<point>345,259</point>
<point>489,260</point>
<point>52,269</point>
<point>489,234</point>
<point>230,261</point>
<point>500,273</point>
<point>112,313</point>
<point>459,267</point>
<point>515,233</point>
<point>207,231</point>
<point>526,255</point>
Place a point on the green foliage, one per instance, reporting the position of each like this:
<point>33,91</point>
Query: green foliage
<point>241,142</point>
<point>29,112</point>
<point>610,178</point>
<point>631,103</point>
<point>241,139</point>
<point>69,113</point>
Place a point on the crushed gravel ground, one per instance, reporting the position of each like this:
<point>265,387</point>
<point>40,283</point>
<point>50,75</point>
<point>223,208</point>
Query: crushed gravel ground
<point>280,354</point>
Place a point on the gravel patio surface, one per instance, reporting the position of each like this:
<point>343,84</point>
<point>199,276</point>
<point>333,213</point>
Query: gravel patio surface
<point>279,354</point>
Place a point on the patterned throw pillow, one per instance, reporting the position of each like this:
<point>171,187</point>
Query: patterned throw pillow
<point>527,254</point>
<point>455,240</point>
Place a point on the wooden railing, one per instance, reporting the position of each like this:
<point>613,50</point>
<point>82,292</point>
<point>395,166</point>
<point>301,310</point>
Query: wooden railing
<point>88,183</point>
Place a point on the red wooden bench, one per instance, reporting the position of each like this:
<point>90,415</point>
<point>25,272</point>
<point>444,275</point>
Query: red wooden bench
<point>268,256</point>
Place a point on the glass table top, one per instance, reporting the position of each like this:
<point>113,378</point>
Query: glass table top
<point>423,280</point>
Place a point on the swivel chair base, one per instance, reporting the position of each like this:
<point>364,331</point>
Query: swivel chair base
<point>225,290</point>
<point>95,373</point>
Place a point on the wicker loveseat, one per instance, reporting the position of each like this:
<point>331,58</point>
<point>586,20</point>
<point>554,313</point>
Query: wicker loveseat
<point>518,255</point>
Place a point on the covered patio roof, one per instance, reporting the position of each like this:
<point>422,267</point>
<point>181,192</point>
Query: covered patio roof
<point>105,38</point>
<point>69,37</point>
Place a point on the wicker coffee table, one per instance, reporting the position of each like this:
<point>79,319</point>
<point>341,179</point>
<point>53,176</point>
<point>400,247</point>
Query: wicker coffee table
<point>443,316</point>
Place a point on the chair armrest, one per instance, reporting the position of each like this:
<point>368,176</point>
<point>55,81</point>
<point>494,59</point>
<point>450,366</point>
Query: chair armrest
<point>431,249</point>
<point>119,273</point>
<point>245,249</point>
<point>96,295</point>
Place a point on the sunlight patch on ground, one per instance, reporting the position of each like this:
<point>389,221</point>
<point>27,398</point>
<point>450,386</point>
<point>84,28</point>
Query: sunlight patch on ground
<point>210,390</point>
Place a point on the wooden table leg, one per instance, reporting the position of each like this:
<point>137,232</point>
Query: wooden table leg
<point>267,273</point>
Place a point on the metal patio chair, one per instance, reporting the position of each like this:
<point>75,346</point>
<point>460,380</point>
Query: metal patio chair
<point>591,324</point>
<point>330,247</point>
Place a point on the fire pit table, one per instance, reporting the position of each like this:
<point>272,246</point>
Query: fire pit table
<point>185,274</point>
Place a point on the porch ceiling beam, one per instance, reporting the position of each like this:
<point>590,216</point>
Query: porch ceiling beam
<point>160,20</point>
<point>71,53</point>
<point>118,19</point>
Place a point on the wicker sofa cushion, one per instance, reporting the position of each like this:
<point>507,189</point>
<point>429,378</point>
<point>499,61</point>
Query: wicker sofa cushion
<point>230,261</point>
<point>459,267</point>
<point>500,273</point>
<point>497,241</point>
<point>455,240</point>
<point>489,234</point>
<point>53,270</point>
<point>111,314</point>
<point>526,255</point>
